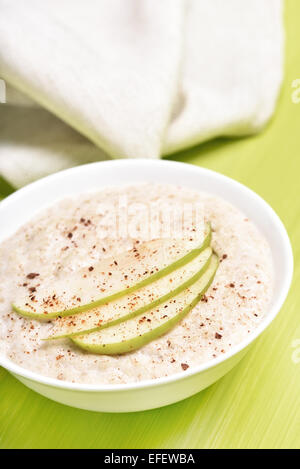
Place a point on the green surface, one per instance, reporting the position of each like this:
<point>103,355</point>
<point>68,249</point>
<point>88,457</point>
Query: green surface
<point>256,405</point>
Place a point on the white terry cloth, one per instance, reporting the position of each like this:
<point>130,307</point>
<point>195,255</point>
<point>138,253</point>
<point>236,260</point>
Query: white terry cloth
<point>232,70</point>
<point>118,70</point>
<point>108,67</point>
<point>14,97</point>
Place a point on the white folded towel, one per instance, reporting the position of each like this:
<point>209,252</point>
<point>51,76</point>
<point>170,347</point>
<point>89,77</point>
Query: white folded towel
<point>233,65</point>
<point>138,78</point>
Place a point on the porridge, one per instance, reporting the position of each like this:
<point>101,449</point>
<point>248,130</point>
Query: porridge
<point>82,248</point>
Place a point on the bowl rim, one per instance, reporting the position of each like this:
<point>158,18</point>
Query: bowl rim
<point>149,383</point>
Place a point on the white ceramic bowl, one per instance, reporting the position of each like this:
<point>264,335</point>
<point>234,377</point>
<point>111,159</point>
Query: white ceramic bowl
<point>22,205</point>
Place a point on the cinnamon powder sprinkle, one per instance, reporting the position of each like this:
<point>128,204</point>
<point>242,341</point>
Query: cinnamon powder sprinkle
<point>184,366</point>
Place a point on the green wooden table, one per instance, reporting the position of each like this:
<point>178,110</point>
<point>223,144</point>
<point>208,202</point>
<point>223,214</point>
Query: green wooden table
<point>257,405</point>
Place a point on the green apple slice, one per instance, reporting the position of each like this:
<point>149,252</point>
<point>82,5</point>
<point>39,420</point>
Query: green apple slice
<point>137,332</point>
<point>109,280</point>
<point>134,303</point>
